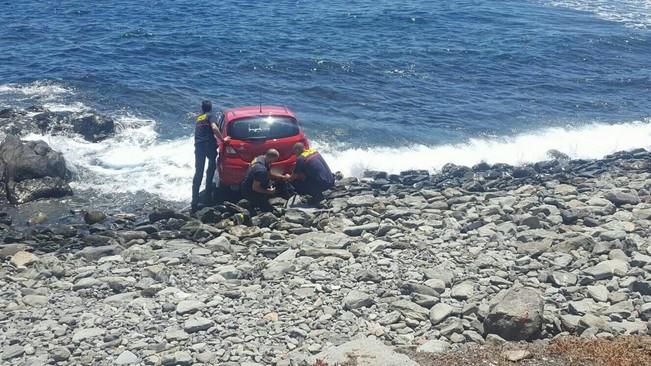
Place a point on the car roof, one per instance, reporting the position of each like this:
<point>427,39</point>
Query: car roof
<point>257,110</point>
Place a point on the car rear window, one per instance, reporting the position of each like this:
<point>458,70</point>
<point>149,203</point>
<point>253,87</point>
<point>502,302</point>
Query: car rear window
<point>263,128</point>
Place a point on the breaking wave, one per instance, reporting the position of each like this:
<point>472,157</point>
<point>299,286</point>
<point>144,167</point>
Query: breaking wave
<point>137,160</point>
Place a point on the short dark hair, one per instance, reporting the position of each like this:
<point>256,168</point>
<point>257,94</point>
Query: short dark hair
<point>206,106</point>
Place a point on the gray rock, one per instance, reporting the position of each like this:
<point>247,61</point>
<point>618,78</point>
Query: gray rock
<point>366,200</point>
<point>281,265</point>
<point>60,354</point>
<point>298,216</point>
<point>12,351</point>
<point>230,272</point>
<point>87,282</point>
<point>357,299</point>
<point>440,312</point>
<point>645,311</point>
<point>564,279</point>
<point>85,334</point>
<point>585,306</point>
<point>95,253</point>
<point>158,272</point>
<point>94,217</point>
<point>220,244</point>
<point>598,293</point>
<point>411,310</point>
<point>534,248</point>
<point>619,198</point>
<point>176,334</point>
<point>35,300</point>
<point>321,240</point>
<point>197,324</point>
<point>358,230</point>
<point>434,346</point>
<point>517,314</point>
<point>462,291</point>
<point>323,252</point>
<point>364,352</point>
<point>178,358</point>
<point>189,307</point>
<point>126,358</point>
<point>608,269</point>
<point>593,321</point>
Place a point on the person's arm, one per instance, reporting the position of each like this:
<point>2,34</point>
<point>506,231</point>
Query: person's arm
<point>257,187</point>
<point>276,176</point>
<point>216,132</point>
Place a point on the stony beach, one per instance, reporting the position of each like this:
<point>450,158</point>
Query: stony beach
<point>391,266</point>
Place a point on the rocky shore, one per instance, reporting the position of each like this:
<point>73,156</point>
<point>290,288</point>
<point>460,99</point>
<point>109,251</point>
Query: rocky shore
<point>415,262</point>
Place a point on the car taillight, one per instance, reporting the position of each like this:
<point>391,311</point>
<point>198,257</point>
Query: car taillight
<point>230,150</point>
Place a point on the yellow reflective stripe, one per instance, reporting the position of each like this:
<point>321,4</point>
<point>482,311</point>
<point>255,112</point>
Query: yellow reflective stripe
<point>308,152</point>
<point>202,118</point>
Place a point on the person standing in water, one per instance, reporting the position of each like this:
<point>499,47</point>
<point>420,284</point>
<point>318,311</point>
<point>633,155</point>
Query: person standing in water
<point>206,134</point>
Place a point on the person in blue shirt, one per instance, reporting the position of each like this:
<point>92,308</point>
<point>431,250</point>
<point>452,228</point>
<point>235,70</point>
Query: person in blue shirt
<point>311,176</point>
<point>206,134</point>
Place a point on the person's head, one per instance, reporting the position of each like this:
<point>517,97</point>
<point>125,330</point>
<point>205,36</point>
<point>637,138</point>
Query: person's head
<point>298,148</point>
<point>271,155</point>
<point>206,106</point>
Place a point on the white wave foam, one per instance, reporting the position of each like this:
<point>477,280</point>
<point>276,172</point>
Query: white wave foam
<point>590,141</point>
<point>35,89</point>
<point>632,13</point>
<point>75,107</point>
<point>136,160</point>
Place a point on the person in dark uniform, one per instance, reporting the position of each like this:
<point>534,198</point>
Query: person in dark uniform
<point>256,187</point>
<point>206,134</point>
<point>311,176</point>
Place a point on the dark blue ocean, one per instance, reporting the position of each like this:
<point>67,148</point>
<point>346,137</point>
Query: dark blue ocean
<point>379,84</point>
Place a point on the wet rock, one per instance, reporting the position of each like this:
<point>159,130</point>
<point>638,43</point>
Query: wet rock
<point>94,127</point>
<point>516,315</point>
<point>166,214</point>
<point>94,217</point>
<point>32,171</point>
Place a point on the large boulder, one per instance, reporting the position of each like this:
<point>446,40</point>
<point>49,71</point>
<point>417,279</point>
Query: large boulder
<point>32,170</point>
<point>516,314</point>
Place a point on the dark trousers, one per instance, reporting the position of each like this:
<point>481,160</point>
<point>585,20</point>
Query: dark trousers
<point>203,150</point>
<point>311,188</point>
<point>258,201</point>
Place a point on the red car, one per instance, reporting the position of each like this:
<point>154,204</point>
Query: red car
<point>252,131</point>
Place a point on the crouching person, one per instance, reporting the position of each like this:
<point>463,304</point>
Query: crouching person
<point>312,176</point>
<point>256,187</point>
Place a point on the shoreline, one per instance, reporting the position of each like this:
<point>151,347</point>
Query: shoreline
<point>414,260</point>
